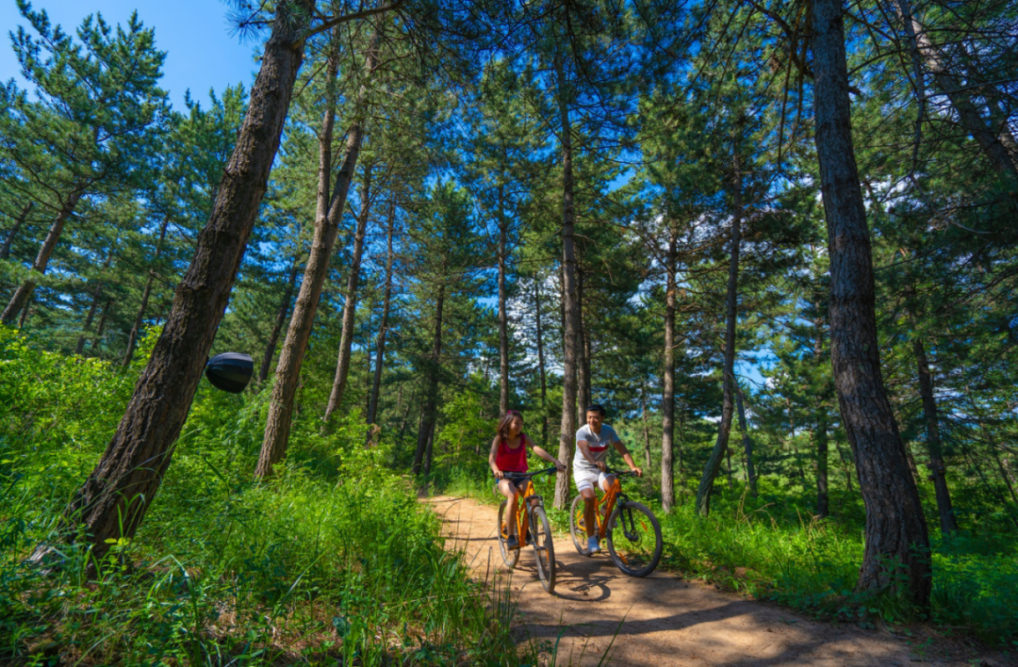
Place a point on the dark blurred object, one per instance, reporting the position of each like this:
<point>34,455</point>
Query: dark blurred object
<point>230,371</point>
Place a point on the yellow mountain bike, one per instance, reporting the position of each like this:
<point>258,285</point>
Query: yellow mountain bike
<point>632,531</point>
<point>532,527</point>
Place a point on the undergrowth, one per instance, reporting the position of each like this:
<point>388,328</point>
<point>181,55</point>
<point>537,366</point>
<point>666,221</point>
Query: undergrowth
<point>333,562</point>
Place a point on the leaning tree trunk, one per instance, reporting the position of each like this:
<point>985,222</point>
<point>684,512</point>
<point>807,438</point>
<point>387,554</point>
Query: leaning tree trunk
<point>747,442</point>
<point>96,295</point>
<point>668,391</point>
<point>21,295</point>
<point>327,216</point>
<point>710,471</point>
<point>103,318</point>
<point>431,402</point>
<point>350,304</point>
<point>383,328</point>
<point>897,544</point>
<point>132,338</point>
<point>503,317</point>
<point>5,249</point>
<point>540,361</point>
<point>277,328</point>
<point>948,521</point>
<point>112,502</point>
<point>567,432</point>
<point>959,94</point>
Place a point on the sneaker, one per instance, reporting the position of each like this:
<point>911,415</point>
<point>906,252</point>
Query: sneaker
<point>592,545</point>
<point>512,543</point>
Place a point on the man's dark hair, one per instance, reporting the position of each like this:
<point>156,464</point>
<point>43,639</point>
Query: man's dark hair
<point>596,407</point>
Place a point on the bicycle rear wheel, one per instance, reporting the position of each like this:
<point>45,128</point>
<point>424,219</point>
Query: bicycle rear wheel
<point>578,526</point>
<point>544,547</point>
<point>634,539</point>
<point>509,556</point>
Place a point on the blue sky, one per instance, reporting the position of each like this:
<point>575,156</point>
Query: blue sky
<point>201,52</point>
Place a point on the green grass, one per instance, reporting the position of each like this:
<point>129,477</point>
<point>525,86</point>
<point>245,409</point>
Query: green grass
<point>333,562</point>
<point>773,548</point>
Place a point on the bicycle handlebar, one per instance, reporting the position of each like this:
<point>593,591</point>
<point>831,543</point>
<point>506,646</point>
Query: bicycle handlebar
<point>620,473</point>
<point>528,475</point>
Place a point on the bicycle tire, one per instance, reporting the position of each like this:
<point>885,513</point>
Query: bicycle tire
<point>577,527</point>
<point>544,547</point>
<point>632,553</point>
<point>509,556</point>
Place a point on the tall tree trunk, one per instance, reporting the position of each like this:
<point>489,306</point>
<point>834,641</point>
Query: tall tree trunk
<point>96,295</point>
<point>327,217</point>
<point>21,295</point>
<point>583,390</point>
<point>540,362</point>
<point>113,501</point>
<point>710,471</point>
<point>567,432</point>
<point>646,428</point>
<point>668,391</point>
<point>747,442</point>
<point>132,338</point>
<point>959,94</point>
<point>277,328</point>
<point>948,521</point>
<point>895,526</point>
<point>431,402</point>
<point>5,249</point>
<point>350,304</point>
<point>821,428</point>
<point>503,316</point>
<point>102,324</point>
<point>383,328</point>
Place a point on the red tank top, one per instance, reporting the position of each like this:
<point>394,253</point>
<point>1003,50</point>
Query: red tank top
<point>509,459</point>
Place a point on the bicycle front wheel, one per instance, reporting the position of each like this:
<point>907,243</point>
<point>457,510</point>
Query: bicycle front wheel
<point>509,556</point>
<point>544,547</point>
<point>634,539</point>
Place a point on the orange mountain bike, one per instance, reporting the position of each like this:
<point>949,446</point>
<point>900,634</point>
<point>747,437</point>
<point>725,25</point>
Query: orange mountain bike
<point>532,527</point>
<point>632,531</point>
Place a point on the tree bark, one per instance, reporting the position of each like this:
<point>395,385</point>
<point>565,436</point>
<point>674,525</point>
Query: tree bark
<point>327,216</point>
<point>668,391</point>
<point>896,533</point>
<point>431,402</point>
<point>132,338</point>
<point>747,443</point>
<point>21,295</point>
<point>112,502</point>
<point>503,316</point>
<point>383,328</point>
<point>567,432</point>
<point>710,471</point>
<point>350,304</point>
<point>646,428</point>
<point>583,390</point>
<point>540,361</point>
<point>277,328</point>
<point>948,521</point>
<point>5,250</point>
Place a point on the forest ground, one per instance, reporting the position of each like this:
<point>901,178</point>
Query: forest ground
<point>667,620</point>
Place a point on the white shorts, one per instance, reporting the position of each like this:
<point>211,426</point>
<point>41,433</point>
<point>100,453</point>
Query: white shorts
<point>587,480</point>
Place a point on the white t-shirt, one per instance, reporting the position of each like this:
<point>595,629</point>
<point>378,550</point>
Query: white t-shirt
<point>598,442</point>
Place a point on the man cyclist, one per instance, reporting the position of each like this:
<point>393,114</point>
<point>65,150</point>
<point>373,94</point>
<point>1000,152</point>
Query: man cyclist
<point>589,466</point>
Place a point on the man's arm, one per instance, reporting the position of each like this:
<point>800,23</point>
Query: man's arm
<point>627,457</point>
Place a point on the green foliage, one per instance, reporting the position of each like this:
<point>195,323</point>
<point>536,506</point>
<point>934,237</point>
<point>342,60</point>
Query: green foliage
<point>334,560</point>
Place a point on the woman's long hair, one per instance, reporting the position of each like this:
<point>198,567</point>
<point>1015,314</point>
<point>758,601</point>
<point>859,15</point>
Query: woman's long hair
<point>503,424</point>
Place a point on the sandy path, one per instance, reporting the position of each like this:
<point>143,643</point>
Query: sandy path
<point>665,621</point>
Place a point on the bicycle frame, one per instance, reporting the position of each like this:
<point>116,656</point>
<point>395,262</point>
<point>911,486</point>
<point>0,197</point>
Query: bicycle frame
<point>608,501</point>
<point>526,503</point>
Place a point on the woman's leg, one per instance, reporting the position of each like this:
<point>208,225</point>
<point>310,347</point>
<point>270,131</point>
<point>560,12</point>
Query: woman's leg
<point>511,493</point>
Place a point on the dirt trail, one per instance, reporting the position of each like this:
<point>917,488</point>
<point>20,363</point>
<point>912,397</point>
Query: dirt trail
<point>665,620</point>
